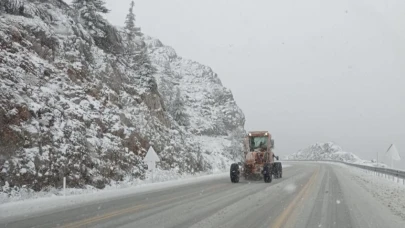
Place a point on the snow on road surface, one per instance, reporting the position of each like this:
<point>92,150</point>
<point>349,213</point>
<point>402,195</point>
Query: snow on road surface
<point>384,191</point>
<point>390,193</point>
<point>362,193</point>
<point>75,197</point>
<point>43,201</point>
<point>310,194</point>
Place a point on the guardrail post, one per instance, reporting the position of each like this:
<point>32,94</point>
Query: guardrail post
<point>64,186</point>
<point>398,176</point>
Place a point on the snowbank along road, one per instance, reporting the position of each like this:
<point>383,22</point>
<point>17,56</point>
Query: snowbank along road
<point>308,195</point>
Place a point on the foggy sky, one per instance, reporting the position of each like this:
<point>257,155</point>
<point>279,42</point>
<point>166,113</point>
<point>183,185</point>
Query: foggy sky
<point>307,71</point>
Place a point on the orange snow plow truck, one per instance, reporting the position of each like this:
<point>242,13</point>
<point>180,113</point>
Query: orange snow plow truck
<point>259,159</point>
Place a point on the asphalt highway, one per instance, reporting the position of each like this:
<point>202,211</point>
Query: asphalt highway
<point>308,195</point>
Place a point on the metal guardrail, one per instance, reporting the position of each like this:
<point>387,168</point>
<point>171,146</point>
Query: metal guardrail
<point>382,170</point>
<point>387,171</point>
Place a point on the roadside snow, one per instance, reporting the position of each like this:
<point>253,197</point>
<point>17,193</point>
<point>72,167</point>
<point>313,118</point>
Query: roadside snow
<point>388,192</point>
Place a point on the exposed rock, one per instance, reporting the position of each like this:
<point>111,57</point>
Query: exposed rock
<point>74,106</point>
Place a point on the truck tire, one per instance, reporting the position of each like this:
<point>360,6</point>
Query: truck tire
<point>267,173</point>
<point>267,179</point>
<point>278,170</point>
<point>234,173</point>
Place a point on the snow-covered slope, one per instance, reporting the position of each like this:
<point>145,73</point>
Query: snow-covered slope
<point>71,104</point>
<point>324,151</point>
<point>331,152</point>
<point>211,106</point>
<point>213,119</point>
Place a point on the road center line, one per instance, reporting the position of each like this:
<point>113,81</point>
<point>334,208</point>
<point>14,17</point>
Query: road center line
<point>282,218</point>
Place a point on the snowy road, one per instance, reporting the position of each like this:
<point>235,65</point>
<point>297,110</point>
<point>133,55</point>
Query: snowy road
<point>308,195</point>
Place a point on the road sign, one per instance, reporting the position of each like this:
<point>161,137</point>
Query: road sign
<point>151,158</point>
<point>392,153</point>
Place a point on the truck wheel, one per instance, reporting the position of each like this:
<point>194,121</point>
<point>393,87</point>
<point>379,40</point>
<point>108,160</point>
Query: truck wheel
<point>236,179</point>
<point>277,169</point>
<point>267,173</point>
<point>280,170</point>
<point>267,179</point>
<point>234,173</point>
<point>276,173</point>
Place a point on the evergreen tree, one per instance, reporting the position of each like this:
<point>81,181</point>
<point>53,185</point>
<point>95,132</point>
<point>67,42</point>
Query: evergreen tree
<point>143,65</point>
<point>131,30</point>
<point>130,24</point>
<point>94,5</point>
<point>166,90</point>
<point>178,111</point>
<point>139,61</point>
<point>11,6</point>
<point>90,12</point>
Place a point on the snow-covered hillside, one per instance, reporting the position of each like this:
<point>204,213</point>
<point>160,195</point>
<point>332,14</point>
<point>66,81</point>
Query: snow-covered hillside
<point>324,151</point>
<point>211,116</point>
<point>74,103</point>
<point>330,152</point>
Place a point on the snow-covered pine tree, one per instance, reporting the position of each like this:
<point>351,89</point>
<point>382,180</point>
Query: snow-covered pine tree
<point>19,7</point>
<point>130,26</point>
<point>136,46</point>
<point>89,12</point>
<point>130,29</point>
<point>178,111</point>
<point>143,65</point>
<point>12,6</point>
<point>166,90</point>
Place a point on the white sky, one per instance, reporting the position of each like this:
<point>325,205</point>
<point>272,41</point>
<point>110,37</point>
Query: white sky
<point>307,71</point>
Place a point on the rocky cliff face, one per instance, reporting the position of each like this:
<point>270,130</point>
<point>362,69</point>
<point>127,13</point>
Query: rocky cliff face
<point>211,106</point>
<point>73,105</point>
<point>211,114</point>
